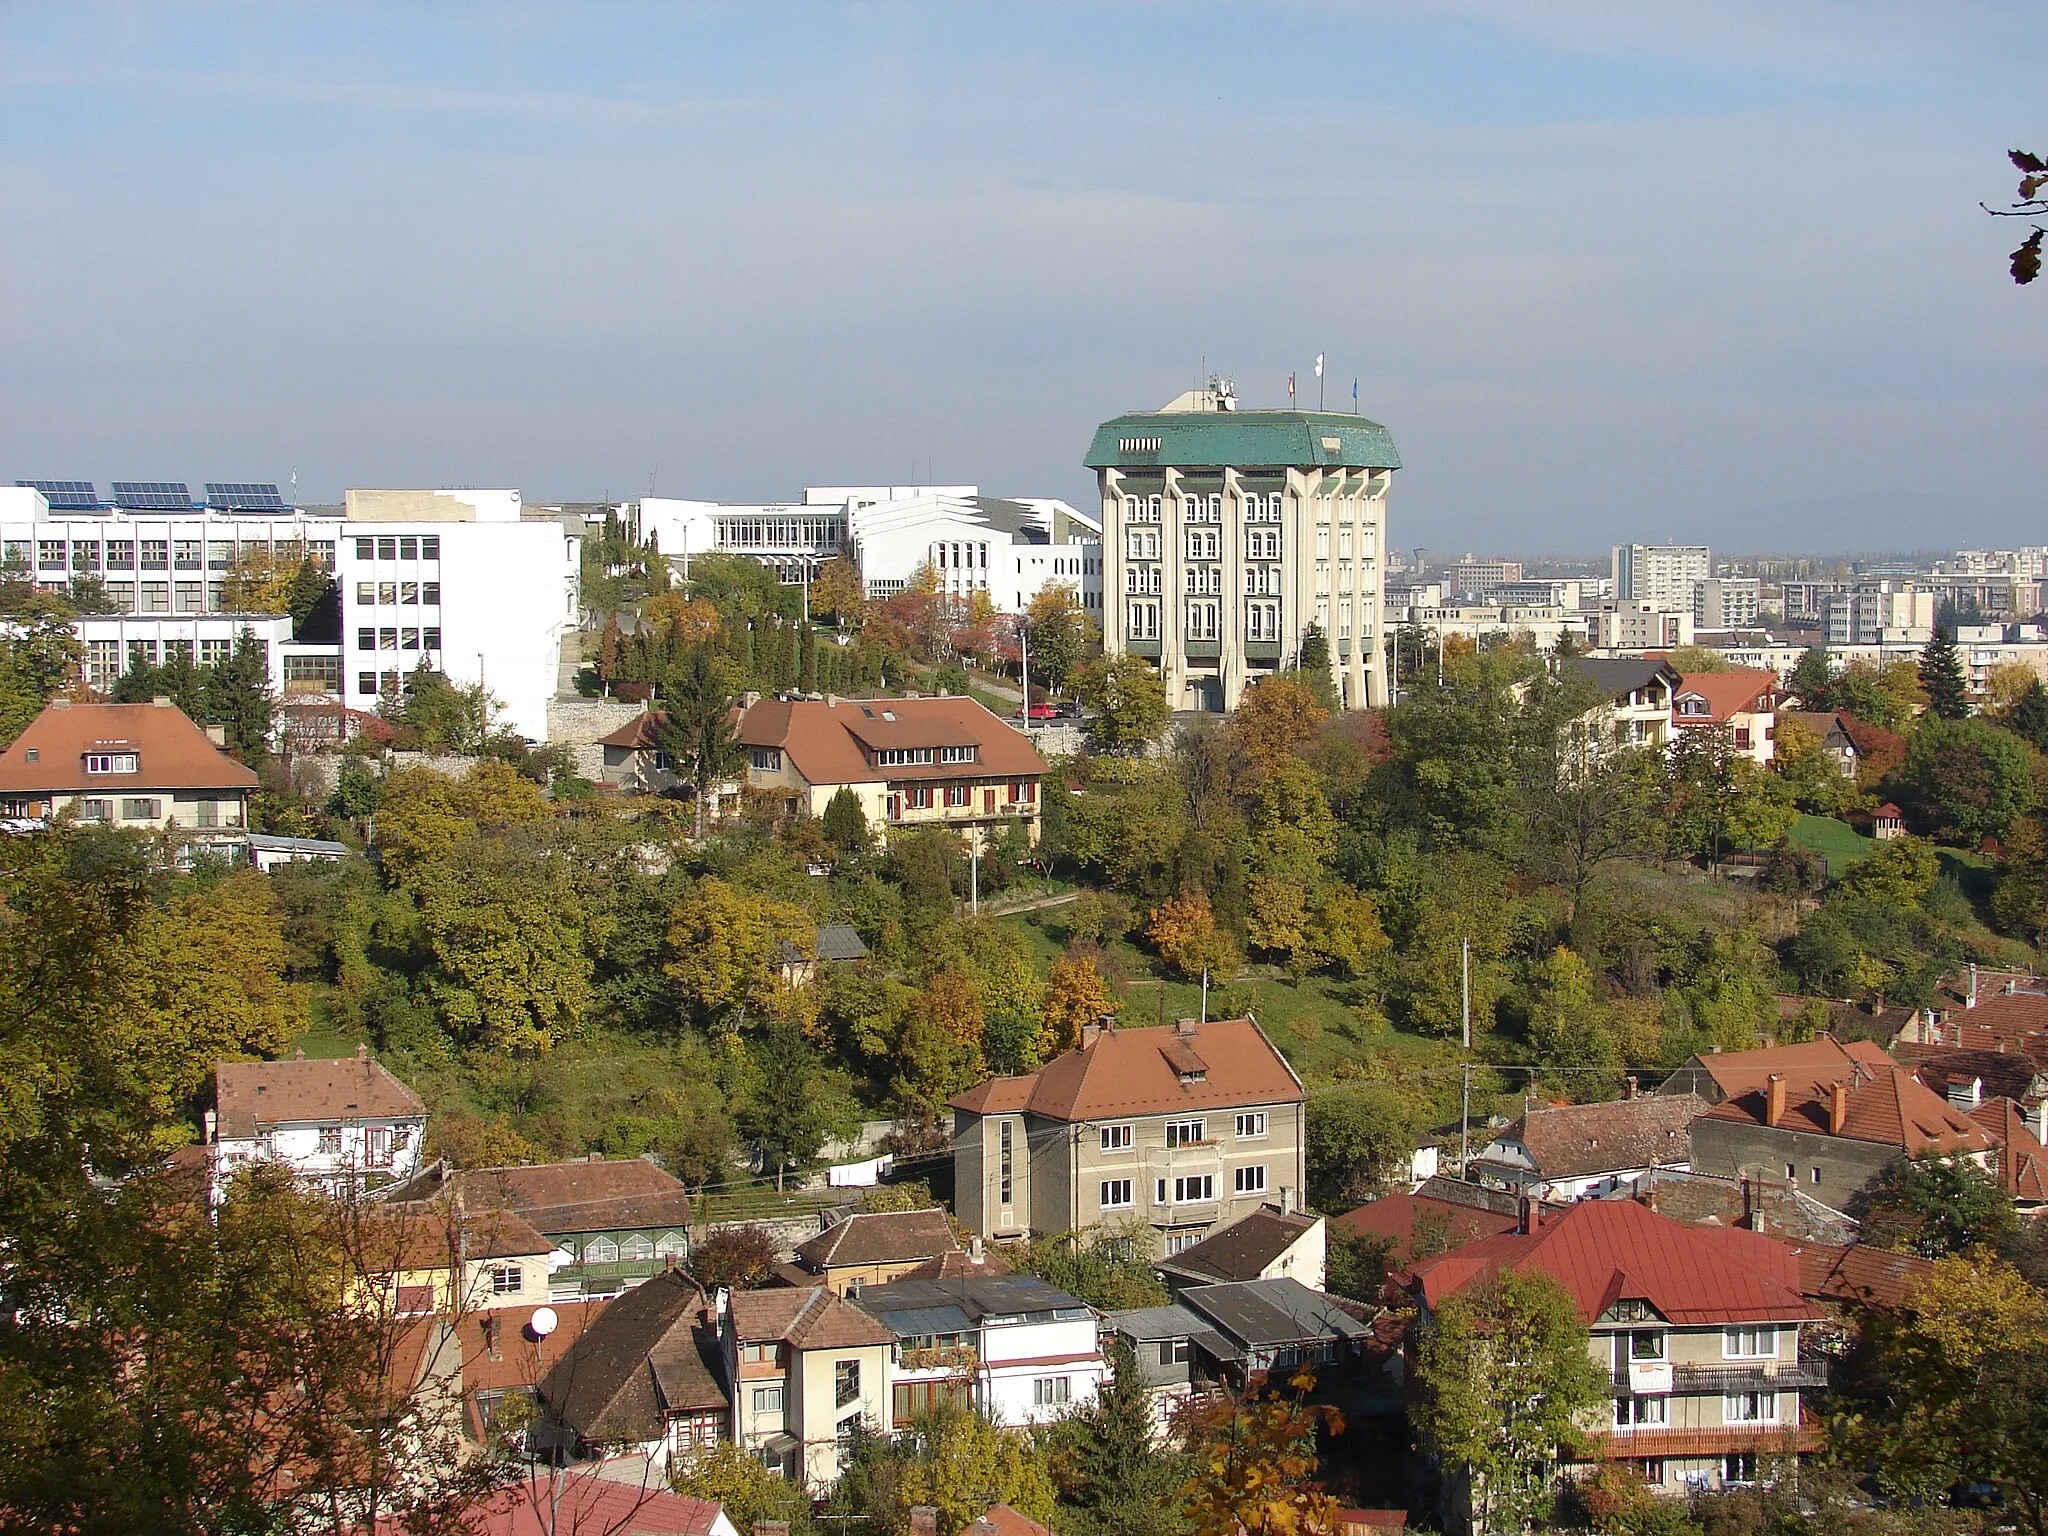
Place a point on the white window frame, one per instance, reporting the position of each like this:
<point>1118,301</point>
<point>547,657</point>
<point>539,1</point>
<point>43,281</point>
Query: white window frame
<point>1194,1189</point>
<point>1641,1412</point>
<point>1118,1138</point>
<point>508,1280</point>
<point>1187,1133</point>
<point>767,1400</point>
<point>1735,1406</point>
<point>1251,1124</point>
<point>1249,1180</point>
<point>1051,1391</point>
<point>1117,1195</point>
<point>1756,1341</point>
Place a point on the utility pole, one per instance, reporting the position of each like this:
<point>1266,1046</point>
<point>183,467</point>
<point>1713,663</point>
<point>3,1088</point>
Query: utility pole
<point>1024,650</point>
<point>1205,994</point>
<point>1465,1066</point>
<point>974,872</point>
<point>1465,987</point>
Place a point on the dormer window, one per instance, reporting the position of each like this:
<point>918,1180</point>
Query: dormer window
<point>889,757</point>
<point>956,754</point>
<point>112,762</point>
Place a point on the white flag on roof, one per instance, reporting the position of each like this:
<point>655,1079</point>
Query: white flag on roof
<point>1319,365</point>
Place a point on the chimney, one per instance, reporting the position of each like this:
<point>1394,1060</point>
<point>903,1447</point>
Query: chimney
<point>1089,1034</point>
<point>1629,1087</point>
<point>924,1520</point>
<point>593,1157</point>
<point>1184,1028</point>
<point>298,1053</point>
<point>2038,1121</point>
<point>58,701</point>
<point>974,1250</point>
<point>217,734</point>
<point>362,1052</point>
<point>1532,1215</point>
<point>211,1121</point>
<point>1838,1107</point>
<point>162,701</point>
<point>1774,1098</point>
<point>1971,1000</point>
<point>1748,1203</point>
<point>1286,1200</point>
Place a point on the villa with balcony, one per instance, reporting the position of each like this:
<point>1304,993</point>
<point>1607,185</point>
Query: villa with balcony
<point>1697,1328</point>
<point>943,762</point>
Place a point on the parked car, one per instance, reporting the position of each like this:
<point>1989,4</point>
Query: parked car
<point>1038,712</point>
<point>1067,709</point>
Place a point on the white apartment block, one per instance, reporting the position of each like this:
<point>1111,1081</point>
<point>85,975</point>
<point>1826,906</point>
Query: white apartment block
<point>1877,612</point>
<point>454,578</point>
<point>1726,602</point>
<point>1660,573</point>
<point>1008,548</point>
<point>1638,625</point>
<point>1229,534</point>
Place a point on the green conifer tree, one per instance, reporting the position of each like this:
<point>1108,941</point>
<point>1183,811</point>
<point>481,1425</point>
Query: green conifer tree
<point>1941,674</point>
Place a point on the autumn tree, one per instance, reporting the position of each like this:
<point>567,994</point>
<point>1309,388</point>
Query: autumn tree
<point>1075,995</point>
<point>1505,1387</point>
<point>680,620</point>
<point>955,1462</point>
<point>1568,1028</point>
<point>1059,632</point>
<point>2027,204</point>
<point>1129,700</point>
<point>1256,1464</point>
<point>725,946</point>
<point>1274,720</point>
<point>734,1478</point>
<point>261,580</point>
<point>1952,1390</point>
<point>1184,933</point>
<point>836,592</point>
<point>734,1257</point>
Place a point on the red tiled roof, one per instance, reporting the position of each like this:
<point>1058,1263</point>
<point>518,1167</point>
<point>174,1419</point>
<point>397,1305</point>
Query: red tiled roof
<point>428,1237</point>
<point>813,1319</point>
<point>1892,1109</point>
<point>2001,1021</point>
<point>1129,1072</point>
<point>1400,1215</point>
<point>637,734</point>
<point>1573,1140</point>
<point>833,741</point>
<point>1004,1521</point>
<point>1823,1060</point>
<point>582,1499</point>
<point>500,1351</point>
<point>1743,691</point>
<point>171,752</point>
<point>1858,1272</point>
<point>2003,1074</point>
<point>2022,1160</point>
<point>1603,1251</point>
<point>248,1094</point>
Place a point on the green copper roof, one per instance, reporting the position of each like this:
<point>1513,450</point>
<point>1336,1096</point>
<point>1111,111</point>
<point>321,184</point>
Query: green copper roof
<point>1242,440</point>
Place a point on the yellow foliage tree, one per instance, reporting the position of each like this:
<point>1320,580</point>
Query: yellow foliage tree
<point>1256,1466</point>
<point>1075,994</point>
<point>260,580</point>
<point>1277,919</point>
<point>691,620</point>
<point>1274,720</point>
<point>1183,932</point>
<point>423,816</point>
<point>724,945</point>
<point>2005,685</point>
<point>837,590</point>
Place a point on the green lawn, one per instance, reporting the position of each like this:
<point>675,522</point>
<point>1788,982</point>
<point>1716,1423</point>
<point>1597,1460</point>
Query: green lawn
<point>1836,841</point>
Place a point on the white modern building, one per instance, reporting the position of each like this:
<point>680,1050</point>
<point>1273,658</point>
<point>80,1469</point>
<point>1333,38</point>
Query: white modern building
<point>1660,573</point>
<point>1009,548</point>
<point>454,578</point>
<point>1726,602</point>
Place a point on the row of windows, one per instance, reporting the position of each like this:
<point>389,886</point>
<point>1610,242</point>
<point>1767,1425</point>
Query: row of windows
<point>112,762</point>
<point>192,596</point>
<point>923,797</point>
<point>1203,580</point>
<point>637,1248</point>
<point>953,557</point>
<point>1742,1343</point>
<point>1201,618</point>
<point>1187,1189</point>
<point>400,547</point>
<point>410,594</point>
<point>1256,506</point>
<point>156,554</point>
<point>395,639</point>
<point>206,814</point>
<point>817,533</point>
<point>1249,1125</point>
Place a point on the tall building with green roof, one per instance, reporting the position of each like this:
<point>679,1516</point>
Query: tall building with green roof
<point>1229,535</point>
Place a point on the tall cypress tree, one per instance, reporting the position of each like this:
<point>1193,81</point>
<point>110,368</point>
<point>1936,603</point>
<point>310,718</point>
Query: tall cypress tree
<point>1941,674</point>
<point>1119,1482</point>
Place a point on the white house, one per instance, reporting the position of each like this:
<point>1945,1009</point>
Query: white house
<point>1578,1151</point>
<point>1019,1350</point>
<point>342,1122</point>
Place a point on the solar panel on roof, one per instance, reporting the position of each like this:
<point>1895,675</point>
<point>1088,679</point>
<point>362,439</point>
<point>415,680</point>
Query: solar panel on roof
<point>244,496</point>
<point>152,496</point>
<point>67,495</point>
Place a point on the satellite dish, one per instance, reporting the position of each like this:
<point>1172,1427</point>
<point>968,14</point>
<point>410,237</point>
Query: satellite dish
<point>543,1322</point>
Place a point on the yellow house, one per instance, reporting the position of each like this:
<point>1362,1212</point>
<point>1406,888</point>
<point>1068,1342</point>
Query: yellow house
<point>415,1255</point>
<point>910,762</point>
<point>805,1367</point>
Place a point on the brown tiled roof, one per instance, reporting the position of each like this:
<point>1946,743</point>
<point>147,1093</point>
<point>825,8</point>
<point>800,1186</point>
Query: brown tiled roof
<point>1825,1059</point>
<point>1127,1072</point>
<point>2002,1021</point>
<point>1890,1108</point>
<point>1744,690</point>
<point>1604,1251</point>
<point>582,1196</point>
<point>1399,1216</point>
<point>500,1350</point>
<point>879,1237</point>
<point>960,1266</point>
<point>1573,1140</point>
<point>637,734</point>
<point>1242,1250</point>
<point>2022,1160</point>
<point>651,1349</point>
<point>581,1499</point>
<point>171,752</point>
<point>1857,1272</point>
<point>424,1237</point>
<point>813,1319</point>
<point>2004,1074</point>
<point>248,1094</point>
<point>833,741</point>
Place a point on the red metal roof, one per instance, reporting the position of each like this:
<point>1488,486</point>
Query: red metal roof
<point>1604,1251</point>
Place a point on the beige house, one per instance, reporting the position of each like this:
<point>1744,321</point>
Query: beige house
<point>1181,1129</point>
<point>1635,696</point>
<point>144,766</point>
<point>1697,1330</point>
<point>805,1367</point>
<point>944,762</point>
<point>875,1247</point>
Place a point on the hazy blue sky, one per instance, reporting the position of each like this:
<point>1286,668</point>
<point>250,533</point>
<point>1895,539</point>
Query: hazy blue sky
<point>1607,268</point>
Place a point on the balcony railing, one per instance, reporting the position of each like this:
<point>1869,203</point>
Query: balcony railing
<point>1746,1376</point>
<point>959,1358</point>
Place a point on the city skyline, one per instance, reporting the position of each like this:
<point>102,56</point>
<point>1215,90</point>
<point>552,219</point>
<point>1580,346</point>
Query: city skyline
<point>1605,273</point>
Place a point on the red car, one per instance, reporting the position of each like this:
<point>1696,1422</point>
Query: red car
<point>1038,712</point>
